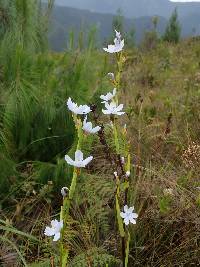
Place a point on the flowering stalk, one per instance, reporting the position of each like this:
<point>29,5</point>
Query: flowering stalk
<point>115,132</point>
<point>64,214</point>
<point>120,60</point>
<point>118,159</point>
<point>121,164</point>
<point>113,109</point>
<point>77,163</point>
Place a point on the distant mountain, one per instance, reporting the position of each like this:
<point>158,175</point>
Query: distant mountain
<point>64,19</point>
<point>134,8</point>
<point>190,24</point>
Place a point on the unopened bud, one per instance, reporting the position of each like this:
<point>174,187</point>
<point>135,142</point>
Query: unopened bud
<point>115,174</point>
<point>122,160</point>
<point>64,191</point>
<point>111,76</point>
<point>125,129</point>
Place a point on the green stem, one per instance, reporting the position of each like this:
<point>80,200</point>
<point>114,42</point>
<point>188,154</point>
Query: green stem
<point>117,147</point>
<point>127,249</point>
<point>115,133</point>
<point>64,213</point>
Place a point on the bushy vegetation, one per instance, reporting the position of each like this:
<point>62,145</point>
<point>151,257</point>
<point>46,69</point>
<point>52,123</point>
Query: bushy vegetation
<point>161,93</point>
<point>173,29</point>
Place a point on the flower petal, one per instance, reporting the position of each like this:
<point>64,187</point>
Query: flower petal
<point>49,231</point>
<point>132,220</point>
<point>125,208</point>
<point>118,34</point>
<point>107,105</point>
<point>78,156</point>
<point>130,210</point>
<point>89,125</point>
<point>118,113</point>
<point>56,236</point>
<point>120,107</point>
<point>96,129</point>
<point>106,112</point>
<point>123,215</point>
<point>69,160</point>
<point>135,215</point>
<point>126,221</point>
<point>71,105</point>
<point>87,160</point>
<point>54,223</point>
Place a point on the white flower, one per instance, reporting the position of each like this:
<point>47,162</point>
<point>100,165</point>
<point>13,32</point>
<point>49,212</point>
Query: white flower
<point>109,96</point>
<point>117,47</point>
<point>122,160</point>
<point>115,174</point>
<point>79,162</point>
<point>64,191</point>
<point>87,127</point>
<point>128,174</point>
<point>118,44</point>
<point>128,215</point>
<point>54,230</point>
<point>82,109</point>
<point>112,108</point>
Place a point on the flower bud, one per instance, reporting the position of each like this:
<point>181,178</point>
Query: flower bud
<point>122,160</point>
<point>111,76</point>
<point>125,129</point>
<point>115,174</point>
<point>64,191</point>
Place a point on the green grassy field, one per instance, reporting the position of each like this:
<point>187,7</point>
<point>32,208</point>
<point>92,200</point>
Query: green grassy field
<point>160,89</point>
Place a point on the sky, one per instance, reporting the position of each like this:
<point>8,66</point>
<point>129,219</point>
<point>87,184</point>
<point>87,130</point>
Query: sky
<point>176,1</point>
<point>184,1</point>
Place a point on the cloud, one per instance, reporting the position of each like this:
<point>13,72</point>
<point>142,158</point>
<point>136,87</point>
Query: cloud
<point>184,1</point>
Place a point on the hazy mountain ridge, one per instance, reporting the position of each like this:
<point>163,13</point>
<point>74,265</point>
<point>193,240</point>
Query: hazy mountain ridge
<point>65,18</point>
<point>134,8</point>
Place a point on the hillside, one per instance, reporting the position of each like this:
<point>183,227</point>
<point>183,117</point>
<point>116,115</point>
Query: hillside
<point>65,18</point>
<point>136,8</point>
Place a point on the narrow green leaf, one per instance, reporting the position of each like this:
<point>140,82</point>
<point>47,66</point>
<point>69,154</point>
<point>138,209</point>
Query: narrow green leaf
<point>15,231</point>
<point>65,254</point>
<point>73,184</point>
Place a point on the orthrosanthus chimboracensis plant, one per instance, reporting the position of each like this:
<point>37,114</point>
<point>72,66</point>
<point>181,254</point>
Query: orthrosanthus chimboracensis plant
<point>121,166</point>
<point>122,172</point>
